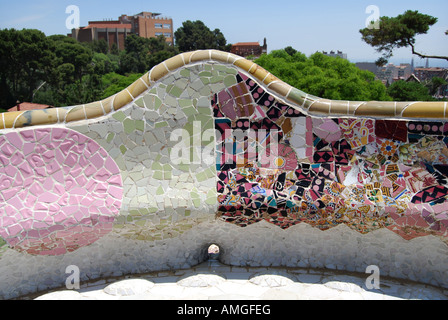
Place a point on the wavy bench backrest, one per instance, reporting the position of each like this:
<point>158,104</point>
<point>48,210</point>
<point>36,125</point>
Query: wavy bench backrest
<point>208,136</point>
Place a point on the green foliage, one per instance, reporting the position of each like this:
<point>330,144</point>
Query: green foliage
<point>114,83</point>
<point>98,46</point>
<point>142,54</point>
<point>59,71</point>
<point>27,59</point>
<point>70,51</point>
<point>398,32</point>
<point>195,35</point>
<point>434,85</point>
<point>409,91</point>
<point>324,76</point>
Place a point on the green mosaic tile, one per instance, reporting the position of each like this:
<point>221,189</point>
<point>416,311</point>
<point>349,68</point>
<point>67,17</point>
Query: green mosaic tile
<point>140,125</point>
<point>152,102</point>
<point>205,81</point>
<point>205,74</point>
<point>156,166</point>
<point>140,103</point>
<point>211,198</point>
<point>205,91</point>
<point>185,73</point>
<point>230,81</point>
<point>167,175</point>
<point>181,84</point>
<point>183,103</point>
<point>158,175</point>
<point>161,124</point>
<point>110,137</point>
<point>129,126</point>
<point>160,191</point>
<point>153,210</point>
<point>176,91</point>
<point>217,79</point>
<point>196,202</point>
<point>183,167</point>
<point>189,111</point>
<point>170,101</point>
<point>201,176</point>
<point>120,116</point>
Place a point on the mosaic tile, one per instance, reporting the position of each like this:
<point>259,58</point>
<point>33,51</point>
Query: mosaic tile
<point>264,153</point>
<point>59,189</point>
<point>252,155</point>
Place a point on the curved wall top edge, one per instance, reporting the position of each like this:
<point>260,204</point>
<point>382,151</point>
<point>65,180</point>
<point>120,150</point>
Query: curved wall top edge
<point>312,105</point>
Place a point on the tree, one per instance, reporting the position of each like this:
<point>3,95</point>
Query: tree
<point>290,50</point>
<point>142,54</point>
<point>195,35</point>
<point>409,91</point>
<point>434,84</point>
<point>70,51</point>
<point>399,32</point>
<point>323,76</point>
<point>159,51</point>
<point>134,57</point>
<point>98,46</point>
<point>27,59</point>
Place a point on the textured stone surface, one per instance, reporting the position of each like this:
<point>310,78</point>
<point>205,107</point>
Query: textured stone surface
<point>376,187</point>
<point>130,287</point>
<point>204,284</point>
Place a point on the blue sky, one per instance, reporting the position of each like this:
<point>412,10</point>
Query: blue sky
<point>307,26</point>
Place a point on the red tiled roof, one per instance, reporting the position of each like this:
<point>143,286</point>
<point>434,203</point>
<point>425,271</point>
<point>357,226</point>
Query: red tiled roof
<point>25,106</point>
<point>247,44</point>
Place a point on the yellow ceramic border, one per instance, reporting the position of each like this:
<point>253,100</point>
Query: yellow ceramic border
<point>307,103</point>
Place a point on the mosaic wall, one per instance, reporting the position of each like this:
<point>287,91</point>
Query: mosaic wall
<point>60,191</point>
<point>211,139</point>
<point>367,174</point>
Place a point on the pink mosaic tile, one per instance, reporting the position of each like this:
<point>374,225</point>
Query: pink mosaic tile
<point>59,191</point>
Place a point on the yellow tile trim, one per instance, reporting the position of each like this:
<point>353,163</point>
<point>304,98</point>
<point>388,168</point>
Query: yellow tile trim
<point>305,102</point>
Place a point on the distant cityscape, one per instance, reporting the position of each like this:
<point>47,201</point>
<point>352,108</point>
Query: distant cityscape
<point>391,73</point>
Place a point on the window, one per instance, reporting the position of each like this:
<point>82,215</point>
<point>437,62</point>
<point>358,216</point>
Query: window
<point>159,34</point>
<point>158,26</point>
<point>166,26</point>
<point>167,35</point>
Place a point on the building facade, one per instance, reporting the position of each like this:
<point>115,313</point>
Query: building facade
<point>429,73</point>
<point>113,32</point>
<point>150,25</point>
<point>245,49</point>
<point>144,24</point>
<point>388,73</point>
<point>339,54</point>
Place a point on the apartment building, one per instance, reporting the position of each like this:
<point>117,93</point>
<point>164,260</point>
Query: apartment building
<point>144,24</point>
<point>150,25</point>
